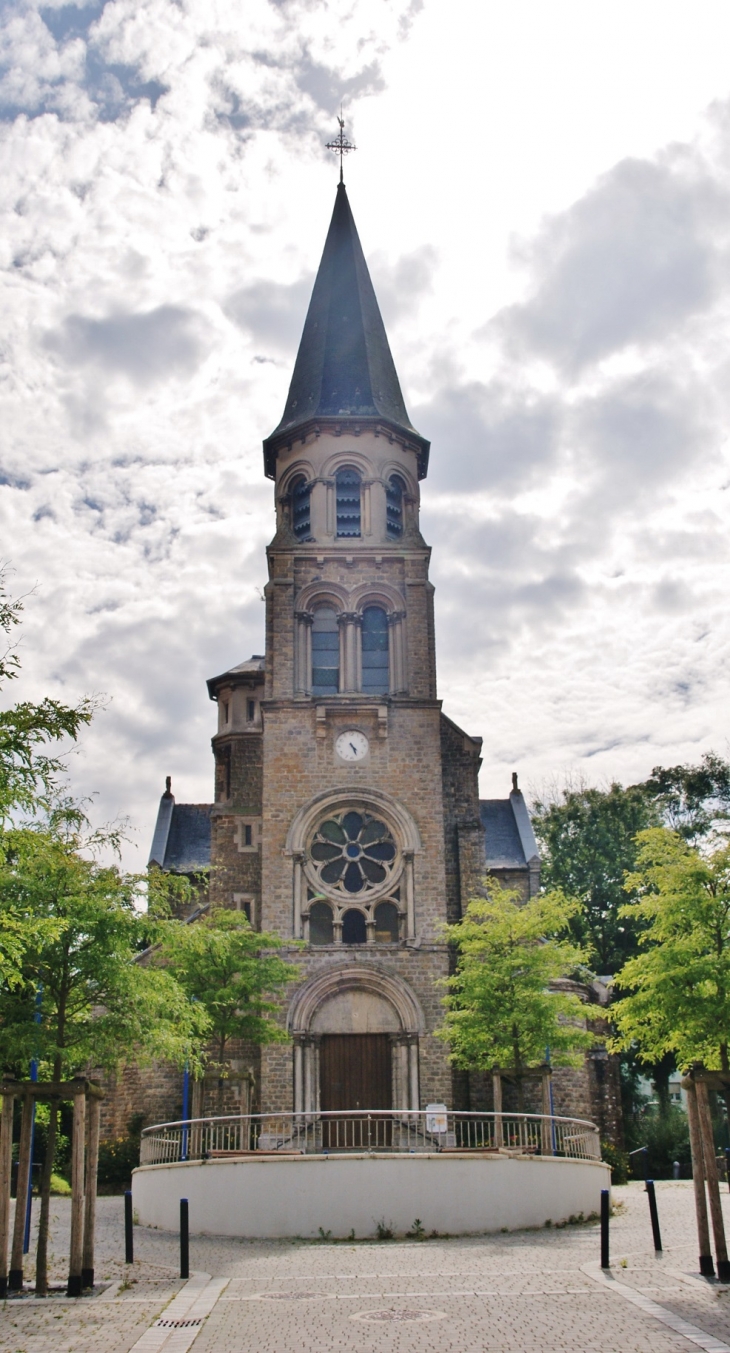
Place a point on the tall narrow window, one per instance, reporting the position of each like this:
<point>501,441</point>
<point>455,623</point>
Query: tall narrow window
<point>300,510</point>
<point>375,671</point>
<point>394,506</point>
<point>354,930</point>
<point>325,652</point>
<point>348,503</point>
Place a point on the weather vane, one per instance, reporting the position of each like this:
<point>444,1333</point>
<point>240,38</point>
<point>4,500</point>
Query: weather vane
<point>341,144</point>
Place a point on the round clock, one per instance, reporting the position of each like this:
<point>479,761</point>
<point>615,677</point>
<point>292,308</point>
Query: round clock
<point>351,745</point>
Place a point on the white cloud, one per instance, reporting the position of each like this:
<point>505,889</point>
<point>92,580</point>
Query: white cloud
<point>165,196</point>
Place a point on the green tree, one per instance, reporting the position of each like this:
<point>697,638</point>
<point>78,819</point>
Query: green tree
<point>99,1007</point>
<point>29,776</point>
<point>500,1009</point>
<point>692,800</point>
<point>588,839</point>
<point>678,987</point>
<point>233,973</point>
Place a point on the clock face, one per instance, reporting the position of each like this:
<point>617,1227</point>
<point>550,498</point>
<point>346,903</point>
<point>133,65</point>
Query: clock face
<point>351,745</point>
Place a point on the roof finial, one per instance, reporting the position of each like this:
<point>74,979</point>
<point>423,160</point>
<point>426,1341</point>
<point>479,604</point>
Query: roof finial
<point>515,786</point>
<point>341,144</point>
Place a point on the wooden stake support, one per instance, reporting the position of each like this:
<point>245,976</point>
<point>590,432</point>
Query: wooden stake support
<point>6,1165</point>
<point>84,1161</point>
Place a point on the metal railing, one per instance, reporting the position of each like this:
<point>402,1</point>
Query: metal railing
<point>396,1130</point>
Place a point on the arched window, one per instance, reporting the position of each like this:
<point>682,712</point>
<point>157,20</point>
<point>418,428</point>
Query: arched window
<point>348,502</point>
<point>300,510</point>
<point>386,923</point>
<point>375,670</point>
<point>354,930</point>
<point>394,506</point>
<point>321,929</point>
<point>325,652</point>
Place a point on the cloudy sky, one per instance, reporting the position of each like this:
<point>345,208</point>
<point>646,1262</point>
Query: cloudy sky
<point>543,194</point>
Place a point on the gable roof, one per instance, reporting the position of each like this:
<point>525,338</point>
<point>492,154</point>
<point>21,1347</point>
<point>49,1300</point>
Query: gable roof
<point>344,367</point>
<point>181,843</point>
<point>508,836</point>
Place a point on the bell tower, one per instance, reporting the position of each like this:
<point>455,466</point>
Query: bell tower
<point>354,851</point>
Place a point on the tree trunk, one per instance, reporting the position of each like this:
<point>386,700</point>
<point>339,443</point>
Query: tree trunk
<point>662,1071</point>
<point>41,1263</point>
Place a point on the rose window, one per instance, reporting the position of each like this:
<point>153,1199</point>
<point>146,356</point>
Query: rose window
<point>352,853</point>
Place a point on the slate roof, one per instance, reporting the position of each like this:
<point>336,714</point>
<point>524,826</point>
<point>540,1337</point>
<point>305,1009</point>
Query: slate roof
<point>181,843</point>
<point>508,836</point>
<point>344,367</point>
<point>252,667</point>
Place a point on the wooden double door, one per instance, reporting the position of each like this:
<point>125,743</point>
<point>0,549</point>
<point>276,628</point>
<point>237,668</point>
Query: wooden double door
<point>355,1075</point>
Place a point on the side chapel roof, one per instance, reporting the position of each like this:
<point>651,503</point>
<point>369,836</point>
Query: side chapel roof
<point>181,843</point>
<point>344,367</point>
<point>508,836</point>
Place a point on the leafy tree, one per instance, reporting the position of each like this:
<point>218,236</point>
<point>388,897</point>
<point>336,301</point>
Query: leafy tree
<point>692,800</point>
<point>99,1007</point>
<point>232,973</point>
<point>588,839</point>
<point>500,1009</point>
<point>678,986</point>
<point>29,776</point>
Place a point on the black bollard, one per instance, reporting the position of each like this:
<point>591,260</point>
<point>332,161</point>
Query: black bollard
<point>605,1195</point>
<point>654,1216</point>
<point>184,1239</point>
<point>128,1228</point>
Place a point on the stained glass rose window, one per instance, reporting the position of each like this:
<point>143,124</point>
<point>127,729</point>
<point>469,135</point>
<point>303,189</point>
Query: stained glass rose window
<point>352,852</point>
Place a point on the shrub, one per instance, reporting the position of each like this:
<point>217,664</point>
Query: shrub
<point>618,1160</point>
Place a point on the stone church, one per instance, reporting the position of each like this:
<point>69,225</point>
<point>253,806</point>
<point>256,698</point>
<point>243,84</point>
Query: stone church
<point>347,811</point>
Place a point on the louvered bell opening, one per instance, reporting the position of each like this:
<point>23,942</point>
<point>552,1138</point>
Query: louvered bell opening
<point>300,509</point>
<point>325,652</point>
<point>375,667</point>
<point>348,503</point>
<point>394,507</point>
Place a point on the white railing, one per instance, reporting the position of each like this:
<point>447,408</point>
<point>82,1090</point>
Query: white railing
<point>375,1130</point>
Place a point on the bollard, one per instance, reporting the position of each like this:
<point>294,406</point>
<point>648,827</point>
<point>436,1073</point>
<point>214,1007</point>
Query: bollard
<point>675,1169</point>
<point>184,1239</point>
<point>605,1263</point>
<point>128,1228</point>
<point>654,1216</point>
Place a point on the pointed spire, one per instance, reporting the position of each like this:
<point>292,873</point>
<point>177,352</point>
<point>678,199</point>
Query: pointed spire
<point>344,368</point>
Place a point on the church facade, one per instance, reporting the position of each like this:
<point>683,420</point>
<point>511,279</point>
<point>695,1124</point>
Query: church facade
<point>346,813</point>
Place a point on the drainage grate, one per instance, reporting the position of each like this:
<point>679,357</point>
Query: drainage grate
<point>372,1317</point>
<point>177,1324</point>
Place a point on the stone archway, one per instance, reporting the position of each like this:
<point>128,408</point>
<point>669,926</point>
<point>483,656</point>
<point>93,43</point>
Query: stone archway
<point>355,1000</point>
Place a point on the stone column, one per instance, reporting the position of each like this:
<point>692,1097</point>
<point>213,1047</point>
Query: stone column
<point>410,900</point>
<point>414,1092</point>
<point>396,652</point>
<point>298,1074</point>
<point>318,509</point>
<point>297,890</point>
<point>310,1059</point>
<point>303,621</point>
<point>366,520</point>
<point>350,623</point>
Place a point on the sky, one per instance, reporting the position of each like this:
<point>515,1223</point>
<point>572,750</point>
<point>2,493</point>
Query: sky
<point>542,195</point>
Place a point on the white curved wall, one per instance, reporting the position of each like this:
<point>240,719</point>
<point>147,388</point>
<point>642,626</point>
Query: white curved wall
<point>272,1196</point>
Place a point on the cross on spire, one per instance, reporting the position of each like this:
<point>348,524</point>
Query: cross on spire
<point>341,145</point>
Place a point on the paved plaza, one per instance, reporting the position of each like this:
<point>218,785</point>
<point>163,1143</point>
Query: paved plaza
<point>528,1290</point>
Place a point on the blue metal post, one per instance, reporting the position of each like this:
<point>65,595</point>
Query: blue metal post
<point>186,1100</point>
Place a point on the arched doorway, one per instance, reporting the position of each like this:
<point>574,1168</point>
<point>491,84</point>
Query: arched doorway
<point>355,1034</point>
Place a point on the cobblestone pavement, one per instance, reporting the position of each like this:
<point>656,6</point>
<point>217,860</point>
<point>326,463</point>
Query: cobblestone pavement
<point>523,1290</point>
